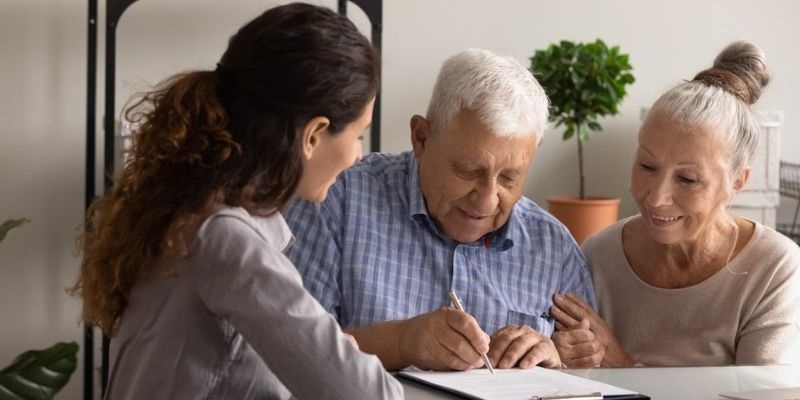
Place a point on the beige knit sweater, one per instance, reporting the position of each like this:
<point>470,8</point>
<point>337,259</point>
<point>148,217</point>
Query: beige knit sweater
<point>730,318</point>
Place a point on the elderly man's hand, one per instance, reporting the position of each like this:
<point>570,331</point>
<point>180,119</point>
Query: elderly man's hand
<point>570,311</point>
<point>444,339</point>
<point>522,346</point>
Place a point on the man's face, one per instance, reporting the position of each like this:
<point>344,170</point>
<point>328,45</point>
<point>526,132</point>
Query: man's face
<point>470,178</point>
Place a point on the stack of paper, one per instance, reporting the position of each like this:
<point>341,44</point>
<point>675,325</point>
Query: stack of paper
<point>521,384</point>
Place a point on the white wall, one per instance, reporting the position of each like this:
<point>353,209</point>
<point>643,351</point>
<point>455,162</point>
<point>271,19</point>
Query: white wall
<point>667,41</point>
<point>42,110</point>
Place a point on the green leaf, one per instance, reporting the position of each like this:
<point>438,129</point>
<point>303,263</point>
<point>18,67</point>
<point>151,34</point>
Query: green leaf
<point>582,79</point>
<point>39,374</point>
<point>11,224</point>
<point>568,133</point>
<point>584,133</point>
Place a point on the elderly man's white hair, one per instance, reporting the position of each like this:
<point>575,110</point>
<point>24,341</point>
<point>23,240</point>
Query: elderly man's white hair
<point>504,94</point>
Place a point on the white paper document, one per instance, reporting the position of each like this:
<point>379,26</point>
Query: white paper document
<point>511,384</point>
<point>790,393</point>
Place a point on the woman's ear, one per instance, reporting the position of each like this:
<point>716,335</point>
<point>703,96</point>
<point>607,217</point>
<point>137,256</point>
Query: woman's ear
<point>742,179</point>
<point>312,135</point>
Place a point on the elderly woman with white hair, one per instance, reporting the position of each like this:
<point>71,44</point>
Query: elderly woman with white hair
<point>686,282</point>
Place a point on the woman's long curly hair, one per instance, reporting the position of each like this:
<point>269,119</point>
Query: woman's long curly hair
<point>230,136</point>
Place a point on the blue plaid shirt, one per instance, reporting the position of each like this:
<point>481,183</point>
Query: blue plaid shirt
<point>371,253</point>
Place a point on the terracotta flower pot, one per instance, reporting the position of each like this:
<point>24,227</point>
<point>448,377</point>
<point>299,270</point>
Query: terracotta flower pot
<point>584,217</point>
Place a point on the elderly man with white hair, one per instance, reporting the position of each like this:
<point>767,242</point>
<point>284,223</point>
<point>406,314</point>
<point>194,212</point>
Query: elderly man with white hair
<point>398,232</point>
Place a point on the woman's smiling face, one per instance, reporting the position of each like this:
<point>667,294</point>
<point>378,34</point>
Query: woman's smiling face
<point>680,179</point>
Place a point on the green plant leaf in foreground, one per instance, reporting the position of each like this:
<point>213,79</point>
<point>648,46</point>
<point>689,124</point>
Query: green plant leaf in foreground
<point>39,374</point>
<point>11,224</point>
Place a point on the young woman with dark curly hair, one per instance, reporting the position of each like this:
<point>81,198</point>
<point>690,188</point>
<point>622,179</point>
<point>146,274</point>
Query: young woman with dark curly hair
<point>182,258</point>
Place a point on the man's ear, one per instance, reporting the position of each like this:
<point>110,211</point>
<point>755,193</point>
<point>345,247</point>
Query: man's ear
<point>742,179</point>
<point>312,134</point>
<point>420,133</point>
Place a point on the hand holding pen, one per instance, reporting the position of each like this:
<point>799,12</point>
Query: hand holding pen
<point>442,340</point>
<point>459,307</point>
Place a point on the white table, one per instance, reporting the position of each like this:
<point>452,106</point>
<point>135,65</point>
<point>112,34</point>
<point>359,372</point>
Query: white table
<point>679,383</point>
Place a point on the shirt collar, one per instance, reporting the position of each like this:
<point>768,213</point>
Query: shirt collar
<point>498,240</point>
<point>269,224</point>
<point>274,229</point>
<point>416,202</point>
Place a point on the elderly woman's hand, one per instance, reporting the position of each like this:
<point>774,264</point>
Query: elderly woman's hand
<point>570,311</point>
<point>579,347</point>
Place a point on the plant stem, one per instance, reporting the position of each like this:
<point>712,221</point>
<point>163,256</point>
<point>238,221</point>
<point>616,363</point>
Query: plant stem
<point>580,162</point>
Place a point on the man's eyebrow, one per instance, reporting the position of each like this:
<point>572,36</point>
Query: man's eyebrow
<point>465,165</point>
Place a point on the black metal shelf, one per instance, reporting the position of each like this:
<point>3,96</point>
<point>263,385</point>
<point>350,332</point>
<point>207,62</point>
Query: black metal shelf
<point>790,187</point>
<point>114,11</point>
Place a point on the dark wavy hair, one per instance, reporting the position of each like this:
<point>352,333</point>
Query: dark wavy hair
<point>230,136</point>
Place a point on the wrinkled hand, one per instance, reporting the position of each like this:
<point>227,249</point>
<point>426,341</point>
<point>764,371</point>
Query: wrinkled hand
<point>444,339</point>
<point>570,310</point>
<point>579,347</point>
<point>522,346</point>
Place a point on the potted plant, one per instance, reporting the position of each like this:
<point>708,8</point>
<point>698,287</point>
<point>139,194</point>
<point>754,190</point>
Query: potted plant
<point>585,81</point>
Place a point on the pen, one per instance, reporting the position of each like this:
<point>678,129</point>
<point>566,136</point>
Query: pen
<point>459,307</point>
<point>587,396</point>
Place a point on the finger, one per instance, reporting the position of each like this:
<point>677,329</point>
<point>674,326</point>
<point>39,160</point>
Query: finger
<point>584,324</point>
<point>500,342</point>
<point>468,327</point>
<point>567,345</point>
<point>518,347</point>
<point>579,301</point>
<point>560,326</point>
<point>446,360</point>
<point>563,317</point>
<point>543,353</point>
<point>562,346</point>
<point>591,313</point>
<point>457,346</point>
<point>584,349</point>
<point>587,361</point>
<point>586,308</point>
<point>569,306</point>
<point>445,353</point>
<point>575,336</point>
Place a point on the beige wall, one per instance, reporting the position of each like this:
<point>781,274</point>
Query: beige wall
<point>42,108</point>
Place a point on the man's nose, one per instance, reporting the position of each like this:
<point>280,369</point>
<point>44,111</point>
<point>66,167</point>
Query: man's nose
<point>486,196</point>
